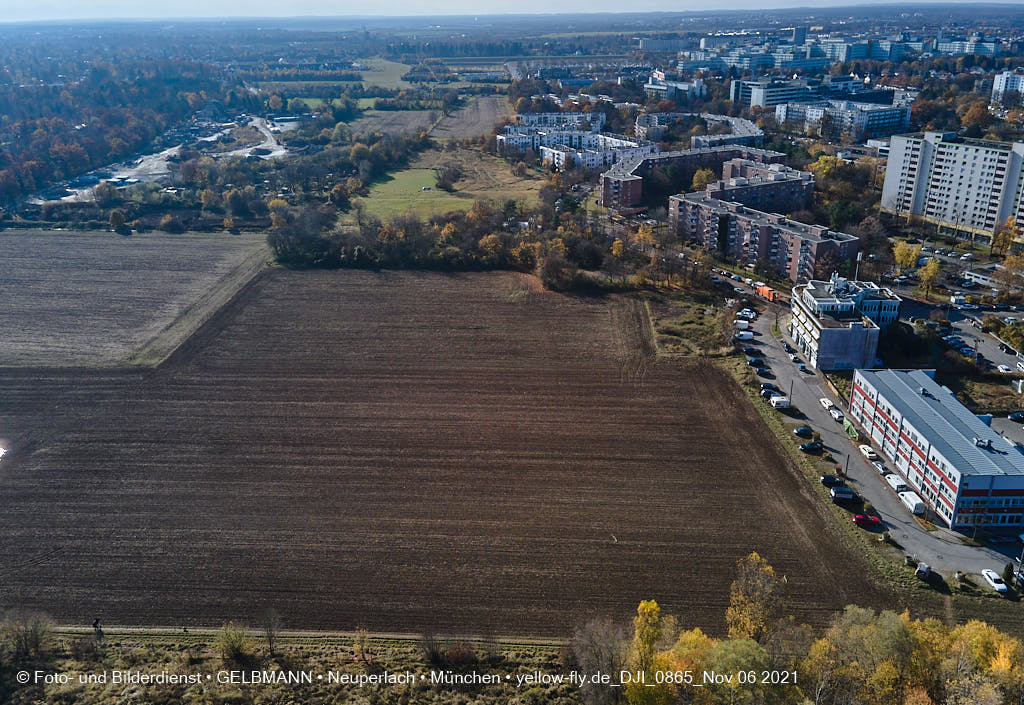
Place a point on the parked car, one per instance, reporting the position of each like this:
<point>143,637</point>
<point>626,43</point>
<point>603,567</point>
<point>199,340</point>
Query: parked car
<point>1016,416</point>
<point>880,467</point>
<point>896,483</point>
<point>866,521</point>
<point>966,257</point>
<point>842,494</point>
<point>826,403</point>
<point>923,571</point>
<point>992,578</point>
<point>764,372</point>
<point>751,350</point>
<point>803,431</point>
<point>811,447</point>
<point>769,385</point>
<point>868,452</point>
<point>788,348</point>
<point>779,402</point>
<point>836,414</point>
<point>801,367</point>
<point>744,335</point>
<point>794,358</point>
<point>912,502</point>
<point>831,481</point>
<point>769,393</point>
<point>1005,369</point>
<point>756,362</point>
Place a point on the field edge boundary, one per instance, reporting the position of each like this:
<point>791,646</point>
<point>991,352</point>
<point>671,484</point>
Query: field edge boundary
<point>162,347</point>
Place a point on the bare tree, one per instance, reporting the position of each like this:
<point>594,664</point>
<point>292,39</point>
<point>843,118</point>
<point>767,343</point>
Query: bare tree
<point>270,622</point>
<point>600,646</point>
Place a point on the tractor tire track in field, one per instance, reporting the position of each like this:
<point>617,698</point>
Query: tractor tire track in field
<point>404,451</point>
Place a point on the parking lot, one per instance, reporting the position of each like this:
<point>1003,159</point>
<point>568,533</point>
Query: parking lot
<point>941,548</point>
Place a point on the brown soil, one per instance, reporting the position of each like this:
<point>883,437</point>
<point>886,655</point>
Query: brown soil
<point>403,452</point>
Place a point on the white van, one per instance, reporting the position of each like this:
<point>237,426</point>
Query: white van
<point>912,502</point>
<point>896,483</point>
<point>740,324</point>
<point>779,402</point>
<point>744,335</point>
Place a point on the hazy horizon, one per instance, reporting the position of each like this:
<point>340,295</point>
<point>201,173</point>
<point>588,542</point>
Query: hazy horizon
<point>238,9</point>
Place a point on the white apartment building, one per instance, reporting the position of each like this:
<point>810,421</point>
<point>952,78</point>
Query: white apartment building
<point>1006,81</point>
<point>858,121</point>
<point>962,185</point>
<point>594,151</point>
<point>592,121</point>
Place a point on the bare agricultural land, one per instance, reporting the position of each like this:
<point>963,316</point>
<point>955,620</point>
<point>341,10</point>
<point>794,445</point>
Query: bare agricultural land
<point>477,118</point>
<point>403,452</point>
<point>394,122</point>
<point>84,299</point>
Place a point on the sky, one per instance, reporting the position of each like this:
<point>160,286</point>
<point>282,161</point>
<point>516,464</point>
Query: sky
<point>20,10</point>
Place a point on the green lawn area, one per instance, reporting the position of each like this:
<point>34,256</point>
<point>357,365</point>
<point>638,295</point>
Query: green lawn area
<point>403,192</point>
<point>365,103</point>
<point>384,73</point>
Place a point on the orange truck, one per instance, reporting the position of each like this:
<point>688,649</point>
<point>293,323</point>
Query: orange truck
<point>767,292</point>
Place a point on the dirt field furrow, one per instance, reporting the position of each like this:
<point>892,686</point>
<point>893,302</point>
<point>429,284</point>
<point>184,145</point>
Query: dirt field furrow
<point>402,452</point>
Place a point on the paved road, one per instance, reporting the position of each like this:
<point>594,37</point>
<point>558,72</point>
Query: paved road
<point>942,549</point>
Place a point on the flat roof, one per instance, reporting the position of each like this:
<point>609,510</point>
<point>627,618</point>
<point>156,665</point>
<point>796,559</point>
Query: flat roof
<point>949,426</point>
<point>814,233</point>
<point>624,169</point>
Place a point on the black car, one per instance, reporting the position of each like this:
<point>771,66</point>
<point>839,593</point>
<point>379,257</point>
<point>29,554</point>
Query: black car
<point>789,348</point>
<point>831,481</point>
<point>1007,349</point>
<point>803,431</point>
<point>769,385</point>
<point>764,372</point>
<point>811,447</point>
<point>756,362</point>
<point>769,393</point>
<point>751,351</point>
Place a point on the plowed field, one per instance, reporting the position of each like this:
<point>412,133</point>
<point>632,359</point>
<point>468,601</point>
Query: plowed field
<point>91,299</point>
<point>402,452</point>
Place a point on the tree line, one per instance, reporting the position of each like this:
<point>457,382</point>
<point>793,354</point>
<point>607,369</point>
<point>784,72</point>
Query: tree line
<point>863,657</point>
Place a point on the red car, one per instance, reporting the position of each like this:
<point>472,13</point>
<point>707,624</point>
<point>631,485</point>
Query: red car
<point>866,521</point>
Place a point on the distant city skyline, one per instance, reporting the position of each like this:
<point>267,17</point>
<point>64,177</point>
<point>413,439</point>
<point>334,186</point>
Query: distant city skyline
<point>12,11</point>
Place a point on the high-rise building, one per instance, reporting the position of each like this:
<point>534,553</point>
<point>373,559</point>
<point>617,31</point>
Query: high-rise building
<point>1007,81</point>
<point>964,186</point>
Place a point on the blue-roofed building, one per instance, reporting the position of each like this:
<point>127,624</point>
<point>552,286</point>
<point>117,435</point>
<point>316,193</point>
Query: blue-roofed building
<point>967,473</point>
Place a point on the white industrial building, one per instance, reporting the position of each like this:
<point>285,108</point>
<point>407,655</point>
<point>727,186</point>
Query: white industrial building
<point>967,473</point>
